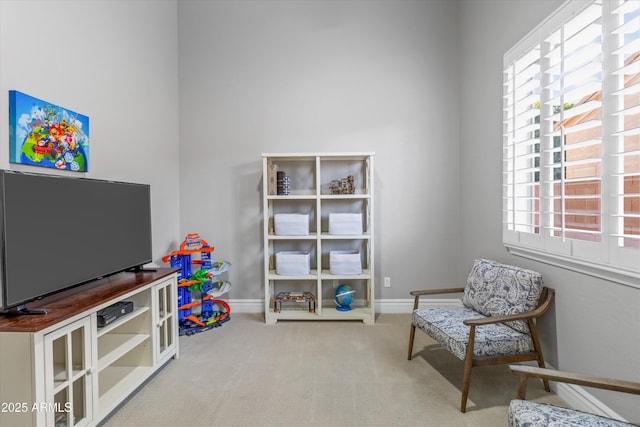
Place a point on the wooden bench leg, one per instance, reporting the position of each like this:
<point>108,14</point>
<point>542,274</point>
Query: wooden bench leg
<point>544,381</point>
<point>468,363</point>
<point>538,348</point>
<point>465,384</point>
<point>412,334</point>
<point>522,387</point>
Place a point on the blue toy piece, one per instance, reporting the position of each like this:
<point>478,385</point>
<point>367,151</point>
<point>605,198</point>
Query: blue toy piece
<point>176,262</point>
<point>206,309</point>
<point>186,265</point>
<point>205,258</point>
<point>206,287</point>
<point>184,300</point>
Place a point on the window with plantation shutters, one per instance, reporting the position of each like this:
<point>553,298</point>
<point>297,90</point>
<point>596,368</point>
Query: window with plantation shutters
<point>573,126</point>
<point>626,133</point>
<point>522,147</point>
<point>571,138</point>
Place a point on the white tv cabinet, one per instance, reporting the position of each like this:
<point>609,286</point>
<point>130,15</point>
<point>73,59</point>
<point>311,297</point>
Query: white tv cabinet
<point>60,369</point>
<point>311,176</point>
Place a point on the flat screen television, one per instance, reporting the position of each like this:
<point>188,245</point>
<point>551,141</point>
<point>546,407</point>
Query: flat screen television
<point>57,232</point>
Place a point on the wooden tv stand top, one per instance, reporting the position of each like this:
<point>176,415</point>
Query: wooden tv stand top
<point>69,303</point>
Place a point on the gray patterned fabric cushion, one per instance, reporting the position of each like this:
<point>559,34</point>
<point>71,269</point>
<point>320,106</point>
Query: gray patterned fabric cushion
<point>525,413</point>
<point>496,289</point>
<point>445,326</point>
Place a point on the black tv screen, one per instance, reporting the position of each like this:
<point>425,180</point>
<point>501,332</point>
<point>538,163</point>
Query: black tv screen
<point>58,232</point>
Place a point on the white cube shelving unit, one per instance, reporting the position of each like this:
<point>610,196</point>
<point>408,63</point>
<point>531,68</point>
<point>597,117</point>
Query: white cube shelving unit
<point>311,175</point>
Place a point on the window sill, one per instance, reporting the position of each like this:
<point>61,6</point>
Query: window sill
<point>605,272</point>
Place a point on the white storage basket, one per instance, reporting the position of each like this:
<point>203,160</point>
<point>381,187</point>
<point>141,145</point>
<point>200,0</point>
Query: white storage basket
<point>291,224</point>
<point>293,263</point>
<point>345,262</point>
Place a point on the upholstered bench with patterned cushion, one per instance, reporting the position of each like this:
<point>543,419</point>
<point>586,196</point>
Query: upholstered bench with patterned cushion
<point>525,413</point>
<point>496,323</point>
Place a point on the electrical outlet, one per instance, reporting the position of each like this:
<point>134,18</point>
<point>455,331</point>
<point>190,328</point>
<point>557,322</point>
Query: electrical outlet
<point>387,282</point>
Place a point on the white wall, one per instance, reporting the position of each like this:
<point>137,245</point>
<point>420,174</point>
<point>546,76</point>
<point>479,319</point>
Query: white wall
<point>593,326</point>
<point>116,62</point>
<point>316,76</point>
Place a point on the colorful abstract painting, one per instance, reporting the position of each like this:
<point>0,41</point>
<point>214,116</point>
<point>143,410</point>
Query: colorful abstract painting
<point>44,134</point>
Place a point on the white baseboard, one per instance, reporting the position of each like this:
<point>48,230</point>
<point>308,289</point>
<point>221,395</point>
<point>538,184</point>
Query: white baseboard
<point>246,305</point>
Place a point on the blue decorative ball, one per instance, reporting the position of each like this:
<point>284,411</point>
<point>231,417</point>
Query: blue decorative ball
<point>343,297</point>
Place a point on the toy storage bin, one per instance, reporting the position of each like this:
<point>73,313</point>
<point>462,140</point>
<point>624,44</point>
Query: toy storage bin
<point>345,223</point>
<point>291,224</point>
<point>345,262</point>
<point>293,263</point>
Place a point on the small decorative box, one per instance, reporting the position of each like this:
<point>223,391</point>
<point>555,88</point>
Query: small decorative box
<point>306,297</point>
<point>293,263</point>
<point>345,262</point>
<point>345,223</point>
<point>291,224</point>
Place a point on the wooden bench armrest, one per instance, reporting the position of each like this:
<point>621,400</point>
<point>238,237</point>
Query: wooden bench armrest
<point>436,291</point>
<point>498,319</point>
<point>545,303</point>
<point>418,294</point>
<point>572,378</point>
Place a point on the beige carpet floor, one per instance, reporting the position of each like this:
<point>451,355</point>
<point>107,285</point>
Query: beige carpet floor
<point>296,373</point>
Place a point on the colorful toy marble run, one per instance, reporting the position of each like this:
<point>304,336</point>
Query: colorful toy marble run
<point>199,308</point>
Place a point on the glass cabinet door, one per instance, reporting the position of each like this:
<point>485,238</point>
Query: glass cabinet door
<point>165,316</point>
<point>68,375</point>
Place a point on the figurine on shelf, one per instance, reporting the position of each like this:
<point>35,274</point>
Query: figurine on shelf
<point>343,186</point>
